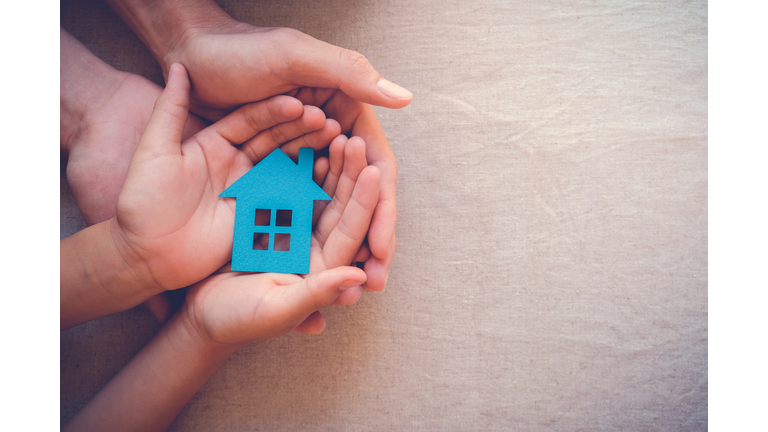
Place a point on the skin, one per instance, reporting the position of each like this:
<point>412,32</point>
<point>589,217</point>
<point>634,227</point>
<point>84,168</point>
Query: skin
<point>103,115</point>
<point>229,309</point>
<point>170,229</point>
<point>231,63</point>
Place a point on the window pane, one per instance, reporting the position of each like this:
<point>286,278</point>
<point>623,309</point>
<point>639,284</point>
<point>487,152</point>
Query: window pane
<point>282,242</point>
<point>262,217</point>
<point>260,241</point>
<point>284,218</point>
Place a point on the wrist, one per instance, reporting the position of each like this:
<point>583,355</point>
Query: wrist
<point>85,82</point>
<point>100,275</point>
<point>165,25</point>
<point>188,329</point>
<point>135,265</point>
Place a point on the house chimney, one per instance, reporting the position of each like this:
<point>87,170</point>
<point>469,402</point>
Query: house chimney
<point>306,160</point>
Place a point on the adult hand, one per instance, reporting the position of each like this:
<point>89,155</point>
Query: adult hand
<point>235,63</point>
<point>231,63</point>
<point>261,62</point>
<point>103,115</point>
<point>359,119</point>
<point>170,229</point>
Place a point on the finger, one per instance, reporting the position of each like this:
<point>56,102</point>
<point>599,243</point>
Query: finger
<point>165,127</point>
<point>316,140</point>
<point>377,269</point>
<point>346,238</point>
<point>353,165</point>
<point>159,306</point>
<point>319,64</point>
<point>378,153</point>
<point>266,141</point>
<point>336,164</point>
<point>362,254</point>
<point>320,170</point>
<point>194,125</point>
<point>314,324</point>
<point>318,291</point>
<point>349,296</point>
<point>248,120</point>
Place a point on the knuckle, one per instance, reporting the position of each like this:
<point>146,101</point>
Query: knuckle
<point>251,120</point>
<point>354,59</point>
<point>278,135</point>
<point>285,34</point>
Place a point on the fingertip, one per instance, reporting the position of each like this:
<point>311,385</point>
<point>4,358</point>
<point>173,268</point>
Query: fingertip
<point>340,141</point>
<point>377,266</point>
<point>287,108</point>
<point>336,148</point>
<point>372,174</point>
<point>399,97</point>
<point>325,287</point>
<point>362,254</point>
<point>175,70</point>
<point>353,276</point>
<point>350,296</point>
<point>356,143</point>
<point>381,234</point>
<point>313,117</point>
<point>320,170</point>
<point>178,78</point>
<point>377,275</point>
<point>165,127</point>
<point>354,157</point>
<point>333,127</point>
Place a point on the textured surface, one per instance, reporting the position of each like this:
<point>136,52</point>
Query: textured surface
<point>551,271</point>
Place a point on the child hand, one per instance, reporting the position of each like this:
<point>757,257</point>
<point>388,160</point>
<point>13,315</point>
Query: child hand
<point>235,308</point>
<point>170,219</point>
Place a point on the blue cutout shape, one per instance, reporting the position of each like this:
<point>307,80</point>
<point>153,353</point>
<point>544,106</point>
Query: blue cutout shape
<point>279,185</point>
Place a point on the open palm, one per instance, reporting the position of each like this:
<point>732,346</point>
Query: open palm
<point>169,213</point>
<point>359,119</point>
<point>234,307</point>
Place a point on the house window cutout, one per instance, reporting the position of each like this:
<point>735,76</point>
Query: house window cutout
<point>262,217</point>
<point>282,242</point>
<point>283,218</point>
<point>260,241</point>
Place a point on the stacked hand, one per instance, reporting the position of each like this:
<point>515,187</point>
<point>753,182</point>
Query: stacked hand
<point>234,308</point>
<point>170,228</point>
<point>169,214</point>
<point>232,63</point>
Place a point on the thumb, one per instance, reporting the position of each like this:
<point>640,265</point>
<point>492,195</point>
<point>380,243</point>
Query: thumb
<point>324,65</point>
<point>321,290</point>
<point>164,130</point>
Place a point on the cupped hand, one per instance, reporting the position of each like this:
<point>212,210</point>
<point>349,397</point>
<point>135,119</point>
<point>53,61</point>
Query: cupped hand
<point>235,308</point>
<point>359,119</point>
<point>169,217</point>
<point>233,63</point>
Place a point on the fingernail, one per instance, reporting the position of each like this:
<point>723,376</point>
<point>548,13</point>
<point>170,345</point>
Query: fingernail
<point>393,90</point>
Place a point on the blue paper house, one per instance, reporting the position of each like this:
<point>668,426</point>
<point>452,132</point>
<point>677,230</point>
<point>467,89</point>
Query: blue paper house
<point>275,199</point>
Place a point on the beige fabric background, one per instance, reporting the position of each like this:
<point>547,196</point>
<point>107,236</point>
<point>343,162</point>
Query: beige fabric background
<point>551,271</point>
